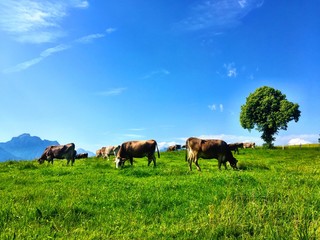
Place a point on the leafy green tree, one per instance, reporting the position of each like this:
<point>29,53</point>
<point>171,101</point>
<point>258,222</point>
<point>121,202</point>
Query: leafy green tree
<point>268,111</point>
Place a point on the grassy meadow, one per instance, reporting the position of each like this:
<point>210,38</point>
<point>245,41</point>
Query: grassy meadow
<point>275,195</point>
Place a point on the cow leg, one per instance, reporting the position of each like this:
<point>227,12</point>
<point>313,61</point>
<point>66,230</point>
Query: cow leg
<point>197,164</point>
<point>153,158</point>
<point>190,164</point>
<point>222,160</point>
<point>50,160</point>
<point>225,165</point>
<point>131,161</point>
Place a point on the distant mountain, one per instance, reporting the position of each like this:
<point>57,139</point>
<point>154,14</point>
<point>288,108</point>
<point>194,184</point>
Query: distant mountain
<point>81,150</point>
<point>4,155</point>
<point>24,147</point>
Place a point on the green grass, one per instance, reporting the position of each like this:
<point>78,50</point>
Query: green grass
<point>274,195</point>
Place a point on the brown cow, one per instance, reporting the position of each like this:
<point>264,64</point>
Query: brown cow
<point>235,147</point>
<point>81,155</point>
<point>100,151</point>
<point>110,150</point>
<point>249,145</point>
<point>175,147</point>
<point>208,149</point>
<point>137,149</point>
<point>60,152</point>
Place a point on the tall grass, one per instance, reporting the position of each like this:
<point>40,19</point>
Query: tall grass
<point>275,195</point>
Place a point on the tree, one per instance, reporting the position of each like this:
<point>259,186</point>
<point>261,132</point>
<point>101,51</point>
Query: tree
<point>268,111</point>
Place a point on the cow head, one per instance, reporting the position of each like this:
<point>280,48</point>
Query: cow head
<point>233,163</point>
<point>41,160</point>
<point>119,162</point>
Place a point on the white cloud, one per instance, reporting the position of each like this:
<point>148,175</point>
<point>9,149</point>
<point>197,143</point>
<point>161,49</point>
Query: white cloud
<point>44,54</point>
<point>36,21</point>
<point>50,51</point>
<point>221,107</point>
<point>110,30</point>
<point>137,129</point>
<point>89,38</point>
<point>161,72</point>
<point>242,3</point>
<point>298,141</point>
<point>81,4</point>
<point>231,70</point>
<point>112,92</point>
<point>22,66</point>
<point>133,136</point>
<point>218,14</point>
<point>213,107</point>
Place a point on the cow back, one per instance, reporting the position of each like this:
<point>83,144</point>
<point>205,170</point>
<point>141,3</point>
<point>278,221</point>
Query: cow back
<point>137,149</point>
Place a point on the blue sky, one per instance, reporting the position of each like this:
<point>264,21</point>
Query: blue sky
<point>99,73</point>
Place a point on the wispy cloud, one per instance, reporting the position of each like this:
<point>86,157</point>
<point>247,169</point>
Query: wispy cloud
<point>218,14</point>
<point>134,136</point>
<point>48,52</point>
<point>156,73</point>
<point>36,21</point>
<point>112,92</point>
<point>231,70</point>
<point>51,51</point>
<point>213,107</point>
<point>136,129</point>
<point>89,38</point>
<point>44,54</point>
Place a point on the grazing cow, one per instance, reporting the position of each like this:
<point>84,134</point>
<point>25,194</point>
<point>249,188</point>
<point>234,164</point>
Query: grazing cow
<point>235,147</point>
<point>100,151</point>
<point>207,149</point>
<point>110,150</point>
<point>174,148</point>
<point>60,152</point>
<point>81,155</point>
<point>249,145</point>
<point>137,149</point>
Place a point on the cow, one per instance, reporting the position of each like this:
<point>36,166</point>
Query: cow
<point>110,150</point>
<point>60,152</point>
<point>174,148</point>
<point>207,149</point>
<point>100,151</point>
<point>137,149</point>
<point>249,145</point>
<point>235,147</point>
<point>81,155</point>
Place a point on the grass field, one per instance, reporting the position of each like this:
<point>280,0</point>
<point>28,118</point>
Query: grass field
<point>275,195</point>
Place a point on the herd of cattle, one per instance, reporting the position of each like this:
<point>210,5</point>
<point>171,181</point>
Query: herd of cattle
<point>195,148</point>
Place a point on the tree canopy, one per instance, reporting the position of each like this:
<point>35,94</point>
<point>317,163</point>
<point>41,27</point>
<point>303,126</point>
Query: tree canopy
<point>268,111</point>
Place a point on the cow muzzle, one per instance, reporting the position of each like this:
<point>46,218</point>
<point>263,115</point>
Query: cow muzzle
<point>118,162</point>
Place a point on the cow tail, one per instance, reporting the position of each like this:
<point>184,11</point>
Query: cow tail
<point>158,151</point>
<point>186,150</point>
